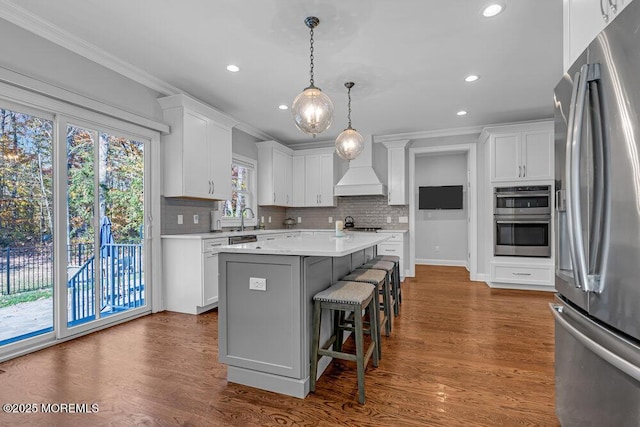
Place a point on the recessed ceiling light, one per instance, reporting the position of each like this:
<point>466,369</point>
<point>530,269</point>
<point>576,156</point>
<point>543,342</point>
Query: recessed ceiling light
<point>493,9</point>
<point>461,113</point>
<point>471,78</point>
<point>283,107</point>
<point>233,68</point>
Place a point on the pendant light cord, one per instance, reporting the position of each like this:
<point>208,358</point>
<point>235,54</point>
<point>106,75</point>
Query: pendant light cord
<point>349,114</point>
<point>311,58</point>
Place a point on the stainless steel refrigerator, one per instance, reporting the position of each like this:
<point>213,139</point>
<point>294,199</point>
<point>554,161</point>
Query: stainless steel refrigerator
<point>597,218</point>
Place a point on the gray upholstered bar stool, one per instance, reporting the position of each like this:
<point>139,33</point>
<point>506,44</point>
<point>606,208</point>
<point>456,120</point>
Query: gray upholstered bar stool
<point>389,267</point>
<point>378,278</point>
<point>396,281</point>
<point>345,297</point>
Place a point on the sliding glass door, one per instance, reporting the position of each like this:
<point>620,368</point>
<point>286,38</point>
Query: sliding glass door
<point>104,226</point>
<point>26,224</point>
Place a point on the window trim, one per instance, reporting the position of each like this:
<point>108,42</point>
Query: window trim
<point>250,222</point>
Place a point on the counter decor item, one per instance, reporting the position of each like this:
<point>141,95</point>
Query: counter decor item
<point>289,222</point>
<point>349,222</point>
<point>339,229</point>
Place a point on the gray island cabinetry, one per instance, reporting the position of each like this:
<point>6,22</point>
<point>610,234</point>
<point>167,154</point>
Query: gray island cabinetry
<point>266,301</point>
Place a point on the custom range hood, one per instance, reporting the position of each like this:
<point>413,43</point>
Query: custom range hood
<point>361,179</point>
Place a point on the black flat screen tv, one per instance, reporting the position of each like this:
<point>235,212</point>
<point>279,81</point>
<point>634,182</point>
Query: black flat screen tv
<point>442,197</point>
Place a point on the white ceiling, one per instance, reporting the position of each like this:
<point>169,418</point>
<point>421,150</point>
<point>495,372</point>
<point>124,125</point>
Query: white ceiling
<point>408,58</point>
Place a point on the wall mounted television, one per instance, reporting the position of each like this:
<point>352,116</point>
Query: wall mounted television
<point>442,197</point>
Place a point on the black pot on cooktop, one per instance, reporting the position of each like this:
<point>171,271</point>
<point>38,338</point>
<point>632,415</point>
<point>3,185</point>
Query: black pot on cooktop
<point>349,222</point>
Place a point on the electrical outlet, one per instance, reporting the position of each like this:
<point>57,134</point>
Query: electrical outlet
<point>299,220</point>
<point>257,284</point>
<point>388,220</point>
<point>180,220</point>
<point>262,219</point>
<point>330,220</point>
<point>196,218</point>
<point>403,219</point>
<point>269,220</point>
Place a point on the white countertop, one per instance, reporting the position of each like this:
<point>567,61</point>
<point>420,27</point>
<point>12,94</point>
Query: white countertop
<point>330,246</point>
<point>225,234</point>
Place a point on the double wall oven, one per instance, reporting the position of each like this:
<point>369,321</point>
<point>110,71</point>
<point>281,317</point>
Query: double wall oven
<point>522,221</point>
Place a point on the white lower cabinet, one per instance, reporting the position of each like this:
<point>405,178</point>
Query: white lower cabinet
<point>528,275</point>
<point>395,245</point>
<point>190,274</point>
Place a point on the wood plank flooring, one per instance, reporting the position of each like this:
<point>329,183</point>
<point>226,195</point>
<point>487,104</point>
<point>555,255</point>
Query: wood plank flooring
<point>461,354</point>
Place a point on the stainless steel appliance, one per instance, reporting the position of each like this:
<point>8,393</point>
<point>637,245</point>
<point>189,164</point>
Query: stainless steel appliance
<point>236,240</point>
<point>597,309</point>
<point>522,221</point>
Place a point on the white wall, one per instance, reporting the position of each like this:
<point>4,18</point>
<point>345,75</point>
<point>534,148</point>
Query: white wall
<point>31,55</point>
<point>441,235</point>
<point>244,144</point>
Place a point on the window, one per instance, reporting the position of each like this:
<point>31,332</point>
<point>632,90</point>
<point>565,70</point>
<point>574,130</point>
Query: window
<point>243,193</point>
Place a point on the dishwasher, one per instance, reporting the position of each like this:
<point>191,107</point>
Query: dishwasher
<point>235,240</point>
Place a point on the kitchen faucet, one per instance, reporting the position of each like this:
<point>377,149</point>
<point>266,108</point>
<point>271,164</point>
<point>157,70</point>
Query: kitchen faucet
<point>253,215</point>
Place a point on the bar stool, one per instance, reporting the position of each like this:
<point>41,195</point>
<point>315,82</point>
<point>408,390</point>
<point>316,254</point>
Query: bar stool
<point>345,297</point>
<point>378,278</point>
<point>395,259</point>
<point>389,267</point>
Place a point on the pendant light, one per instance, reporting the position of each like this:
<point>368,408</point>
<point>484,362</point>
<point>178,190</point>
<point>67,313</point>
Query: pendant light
<point>312,109</point>
<point>349,143</point>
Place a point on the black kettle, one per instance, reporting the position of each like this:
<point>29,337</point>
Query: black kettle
<point>348,222</point>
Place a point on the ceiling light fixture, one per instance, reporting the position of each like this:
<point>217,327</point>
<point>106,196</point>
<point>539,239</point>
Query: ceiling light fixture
<point>461,113</point>
<point>349,144</point>
<point>493,9</point>
<point>233,68</point>
<point>471,78</point>
<point>283,107</point>
<point>312,110</point>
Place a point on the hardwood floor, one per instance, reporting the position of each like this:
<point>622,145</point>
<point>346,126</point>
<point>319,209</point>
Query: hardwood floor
<point>460,354</point>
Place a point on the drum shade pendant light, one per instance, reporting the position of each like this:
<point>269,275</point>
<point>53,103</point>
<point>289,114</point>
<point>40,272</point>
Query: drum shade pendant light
<point>349,143</point>
<point>312,110</point>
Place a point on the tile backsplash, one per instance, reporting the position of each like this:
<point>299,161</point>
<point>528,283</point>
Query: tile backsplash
<point>367,211</point>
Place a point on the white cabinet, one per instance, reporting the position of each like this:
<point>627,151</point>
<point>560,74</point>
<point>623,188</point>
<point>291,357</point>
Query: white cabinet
<point>521,152</point>
<point>583,20</point>
<point>276,236</point>
<point>535,275</point>
<point>397,172</point>
<point>298,190</point>
<point>316,173</point>
<point>190,273</point>
<point>396,245</point>
<point>197,152</point>
<point>274,174</point>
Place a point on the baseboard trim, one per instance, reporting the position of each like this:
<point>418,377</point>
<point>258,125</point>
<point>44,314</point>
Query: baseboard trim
<point>444,262</point>
<point>521,287</point>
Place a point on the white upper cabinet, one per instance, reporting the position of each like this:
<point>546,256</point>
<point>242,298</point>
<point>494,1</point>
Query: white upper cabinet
<point>274,174</point>
<point>397,172</point>
<point>315,174</point>
<point>582,21</point>
<point>521,152</point>
<point>197,153</point>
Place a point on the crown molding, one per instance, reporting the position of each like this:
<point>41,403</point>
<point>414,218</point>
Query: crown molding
<point>34,24</point>
<point>256,133</point>
<point>428,134</point>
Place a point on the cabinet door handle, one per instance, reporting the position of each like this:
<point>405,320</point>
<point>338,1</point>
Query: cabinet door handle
<point>521,274</point>
<point>213,187</point>
<point>604,14</point>
<point>287,199</point>
<point>519,171</point>
<point>210,187</point>
<point>321,199</point>
<point>390,250</point>
<point>274,197</point>
<point>524,170</point>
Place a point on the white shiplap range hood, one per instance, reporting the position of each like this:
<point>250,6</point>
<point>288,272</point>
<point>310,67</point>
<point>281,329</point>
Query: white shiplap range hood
<point>360,179</point>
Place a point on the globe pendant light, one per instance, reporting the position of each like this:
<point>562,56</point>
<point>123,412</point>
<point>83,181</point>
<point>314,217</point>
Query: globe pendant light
<point>312,110</point>
<point>349,143</point>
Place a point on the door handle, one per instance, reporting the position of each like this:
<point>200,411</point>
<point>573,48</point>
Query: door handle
<point>524,171</point>
<point>213,187</point>
<point>519,171</point>
<point>604,14</point>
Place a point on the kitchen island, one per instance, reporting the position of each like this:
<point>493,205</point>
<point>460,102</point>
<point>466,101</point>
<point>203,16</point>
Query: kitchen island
<point>266,303</point>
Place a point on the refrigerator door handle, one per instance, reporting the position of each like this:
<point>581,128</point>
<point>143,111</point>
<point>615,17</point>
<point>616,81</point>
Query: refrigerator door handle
<point>604,353</point>
<point>574,148</point>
